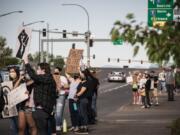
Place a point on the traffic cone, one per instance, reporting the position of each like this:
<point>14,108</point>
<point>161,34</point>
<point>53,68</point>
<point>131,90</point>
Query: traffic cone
<point>64,126</point>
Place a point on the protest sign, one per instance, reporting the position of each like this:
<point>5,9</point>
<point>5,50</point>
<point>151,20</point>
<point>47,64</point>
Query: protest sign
<point>17,95</point>
<point>8,112</point>
<point>23,42</point>
<point>72,64</point>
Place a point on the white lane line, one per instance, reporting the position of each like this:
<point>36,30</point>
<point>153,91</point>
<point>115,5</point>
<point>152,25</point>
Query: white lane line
<point>113,89</point>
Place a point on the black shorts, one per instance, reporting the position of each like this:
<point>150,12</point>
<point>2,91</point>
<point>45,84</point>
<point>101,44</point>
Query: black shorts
<point>134,90</point>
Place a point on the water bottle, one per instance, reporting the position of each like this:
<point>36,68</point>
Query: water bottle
<point>75,106</point>
<point>64,126</point>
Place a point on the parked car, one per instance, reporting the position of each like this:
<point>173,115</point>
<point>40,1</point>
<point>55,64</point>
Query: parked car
<point>116,77</point>
<point>4,75</point>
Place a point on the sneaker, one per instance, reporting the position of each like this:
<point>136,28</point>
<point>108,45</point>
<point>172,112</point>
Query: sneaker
<point>143,107</point>
<point>58,128</point>
<point>76,129</point>
<point>71,129</point>
<point>82,132</point>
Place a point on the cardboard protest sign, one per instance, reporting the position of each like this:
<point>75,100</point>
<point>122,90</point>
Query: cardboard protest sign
<point>17,95</point>
<point>72,64</point>
<point>23,42</point>
<point>8,112</point>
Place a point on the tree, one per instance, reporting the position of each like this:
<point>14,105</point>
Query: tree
<point>6,54</point>
<point>55,61</point>
<point>162,44</point>
<point>58,61</point>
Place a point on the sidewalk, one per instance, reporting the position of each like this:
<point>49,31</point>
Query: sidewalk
<point>133,120</point>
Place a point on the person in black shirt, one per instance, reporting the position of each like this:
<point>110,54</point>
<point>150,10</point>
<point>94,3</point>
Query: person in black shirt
<point>95,95</point>
<point>147,89</point>
<point>82,98</point>
<point>44,94</point>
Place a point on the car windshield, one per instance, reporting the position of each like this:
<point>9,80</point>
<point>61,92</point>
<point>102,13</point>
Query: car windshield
<point>116,74</point>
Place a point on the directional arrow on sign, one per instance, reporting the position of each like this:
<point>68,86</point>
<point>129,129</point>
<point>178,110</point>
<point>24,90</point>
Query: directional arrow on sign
<point>168,14</point>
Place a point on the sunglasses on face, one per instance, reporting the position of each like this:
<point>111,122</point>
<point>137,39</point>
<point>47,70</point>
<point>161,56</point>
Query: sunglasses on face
<point>56,73</point>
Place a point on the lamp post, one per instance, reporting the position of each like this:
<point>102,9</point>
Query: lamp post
<point>52,44</point>
<point>87,34</point>
<point>5,14</point>
<point>24,25</point>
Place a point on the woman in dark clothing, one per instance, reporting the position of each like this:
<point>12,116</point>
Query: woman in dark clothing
<point>82,97</point>
<point>147,89</point>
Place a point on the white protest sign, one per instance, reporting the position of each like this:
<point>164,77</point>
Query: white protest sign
<point>8,112</point>
<point>23,42</point>
<point>17,95</point>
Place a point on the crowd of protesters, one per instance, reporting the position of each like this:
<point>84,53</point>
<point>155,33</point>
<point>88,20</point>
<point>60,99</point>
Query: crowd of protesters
<point>42,112</point>
<point>146,86</point>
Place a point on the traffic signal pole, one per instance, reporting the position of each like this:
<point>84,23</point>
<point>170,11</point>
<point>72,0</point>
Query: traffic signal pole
<point>85,40</point>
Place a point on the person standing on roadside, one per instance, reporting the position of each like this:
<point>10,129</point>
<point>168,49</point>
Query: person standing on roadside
<point>170,83</point>
<point>73,107</point>
<point>44,94</point>
<point>162,82</point>
<point>147,89</point>
<point>95,94</point>
<point>62,87</point>
<point>135,89</point>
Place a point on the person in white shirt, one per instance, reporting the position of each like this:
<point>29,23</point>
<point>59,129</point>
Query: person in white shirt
<point>73,107</point>
<point>161,78</point>
<point>62,87</point>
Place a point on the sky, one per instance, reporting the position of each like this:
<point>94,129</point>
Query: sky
<point>103,14</point>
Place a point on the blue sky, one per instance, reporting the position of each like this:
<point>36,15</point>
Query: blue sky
<point>103,13</point>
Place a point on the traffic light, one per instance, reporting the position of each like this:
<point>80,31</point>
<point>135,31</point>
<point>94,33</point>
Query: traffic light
<point>129,61</point>
<point>118,60</point>
<point>64,33</point>
<point>141,62</point>
<point>73,46</point>
<point>44,32</point>
<point>91,42</point>
<point>108,59</point>
<point>94,56</point>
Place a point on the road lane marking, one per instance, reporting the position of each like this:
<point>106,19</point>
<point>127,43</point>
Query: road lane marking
<point>113,89</point>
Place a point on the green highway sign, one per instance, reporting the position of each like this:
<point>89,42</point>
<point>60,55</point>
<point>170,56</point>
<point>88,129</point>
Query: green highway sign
<point>118,42</point>
<point>159,15</point>
<point>160,3</point>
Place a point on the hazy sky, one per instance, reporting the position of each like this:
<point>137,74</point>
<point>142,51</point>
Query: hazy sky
<point>103,13</point>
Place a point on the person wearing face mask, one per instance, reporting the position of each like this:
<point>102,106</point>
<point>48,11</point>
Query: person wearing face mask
<point>44,94</point>
<point>14,75</point>
<point>24,111</point>
<point>81,97</point>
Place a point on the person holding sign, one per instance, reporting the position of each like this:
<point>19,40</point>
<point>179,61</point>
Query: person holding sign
<point>14,75</point>
<point>62,87</point>
<point>24,111</point>
<point>44,94</point>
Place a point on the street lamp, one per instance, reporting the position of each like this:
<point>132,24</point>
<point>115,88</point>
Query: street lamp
<point>10,13</point>
<point>24,25</point>
<point>52,44</point>
<point>87,34</point>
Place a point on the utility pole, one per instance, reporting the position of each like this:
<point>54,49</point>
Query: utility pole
<point>47,55</point>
